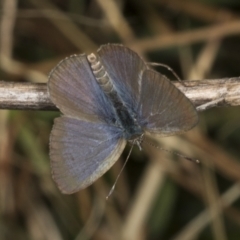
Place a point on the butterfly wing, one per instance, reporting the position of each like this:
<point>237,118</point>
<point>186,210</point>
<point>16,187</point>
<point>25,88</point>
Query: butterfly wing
<point>125,68</point>
<point>74,90</point>
<point>163,108</point>
<point>82,151</point>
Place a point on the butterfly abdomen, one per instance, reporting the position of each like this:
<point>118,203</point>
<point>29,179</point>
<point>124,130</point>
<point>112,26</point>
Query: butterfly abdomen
<point>100,73</point>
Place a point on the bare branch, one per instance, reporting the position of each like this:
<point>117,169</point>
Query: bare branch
<point>219,92</point>
<point>216,31</point>
<point>205,93</point>
<point>25,96</point>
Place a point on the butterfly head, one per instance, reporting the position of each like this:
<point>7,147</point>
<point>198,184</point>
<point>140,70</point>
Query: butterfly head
<point>137,140</point>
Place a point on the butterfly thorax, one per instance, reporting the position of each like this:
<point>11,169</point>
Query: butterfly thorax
<point>124,118</point>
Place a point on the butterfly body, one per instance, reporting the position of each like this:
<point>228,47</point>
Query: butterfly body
<point>108,99</point>
<point>125,119</point>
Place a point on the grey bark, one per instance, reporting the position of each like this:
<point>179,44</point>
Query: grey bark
<point>204,94</point>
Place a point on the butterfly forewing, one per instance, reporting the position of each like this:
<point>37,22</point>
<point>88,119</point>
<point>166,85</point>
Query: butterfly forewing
<point>163,108</point>
<point>125,68</point>
<point>74,90</point>
<point>82,151</point>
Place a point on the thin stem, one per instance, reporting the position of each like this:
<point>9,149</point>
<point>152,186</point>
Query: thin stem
<point>204,94</point>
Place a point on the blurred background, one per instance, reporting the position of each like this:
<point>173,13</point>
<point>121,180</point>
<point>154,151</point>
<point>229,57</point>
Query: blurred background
<point>159,195</point>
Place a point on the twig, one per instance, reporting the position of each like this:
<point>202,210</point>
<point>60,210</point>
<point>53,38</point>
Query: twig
<point>195,226</point>
<point>222,92</point>
<point>25,96</point>
<point>215,31</point>
<point>69,28</point>
<point>205,60</point>
<point>34,96</point>
<point>152,180</point>
<point>117,20</point>
<point>199,10</point>
<point>6,27</point>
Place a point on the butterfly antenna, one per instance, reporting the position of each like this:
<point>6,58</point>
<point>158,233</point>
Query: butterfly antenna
<point>169,69</point>
<point>176,153</point>
<point>114,185</point>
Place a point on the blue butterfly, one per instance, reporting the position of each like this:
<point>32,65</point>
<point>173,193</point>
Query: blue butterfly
<point>107,99</point>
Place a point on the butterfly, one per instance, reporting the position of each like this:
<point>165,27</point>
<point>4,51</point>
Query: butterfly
<point>108,99</point>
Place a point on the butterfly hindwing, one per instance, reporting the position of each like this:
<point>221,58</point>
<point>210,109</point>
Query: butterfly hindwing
<point>82,151</point>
